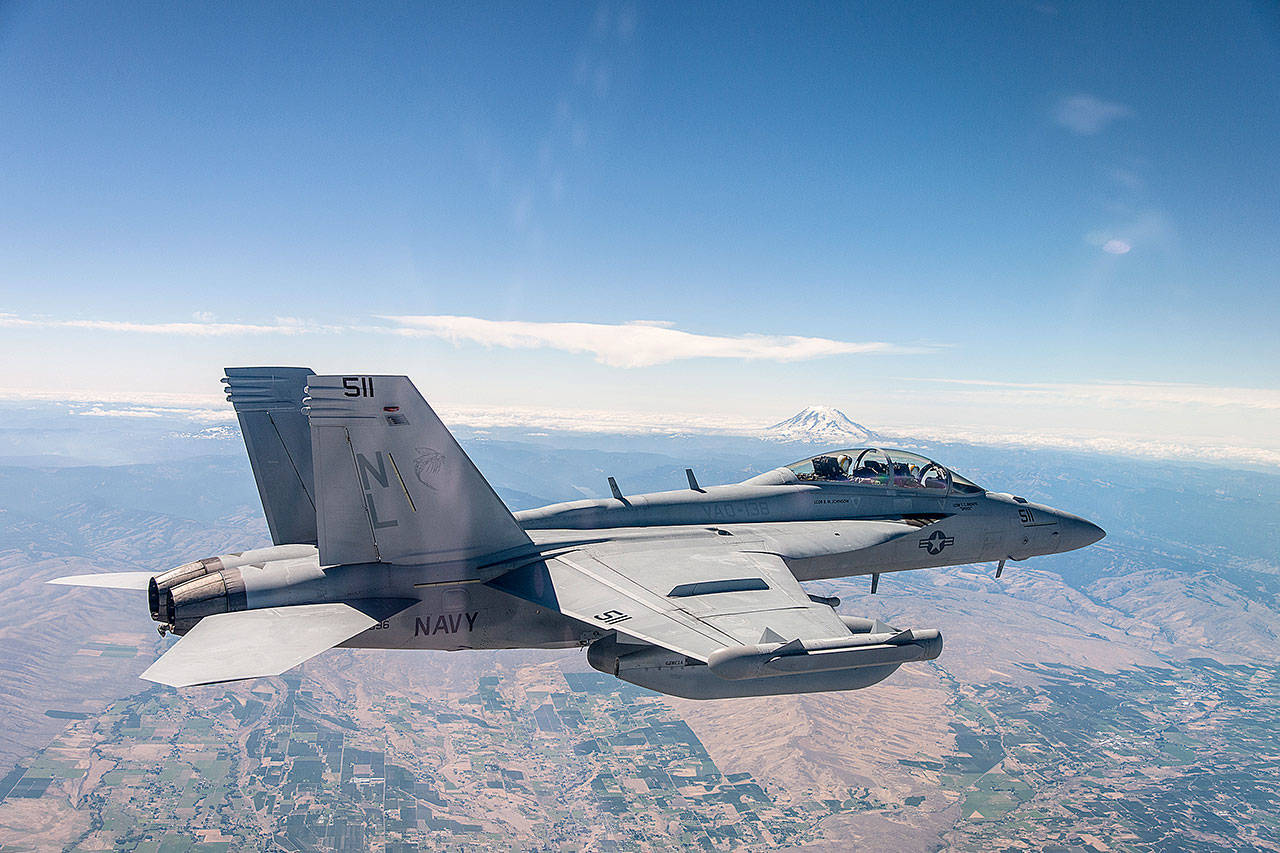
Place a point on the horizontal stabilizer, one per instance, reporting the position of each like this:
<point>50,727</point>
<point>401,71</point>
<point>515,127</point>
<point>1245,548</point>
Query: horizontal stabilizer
<point>256,643</point>
<point>109,580</point>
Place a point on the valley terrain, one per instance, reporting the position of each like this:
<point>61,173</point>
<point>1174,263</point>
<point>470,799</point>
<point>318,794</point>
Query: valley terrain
<point>1123,697</point>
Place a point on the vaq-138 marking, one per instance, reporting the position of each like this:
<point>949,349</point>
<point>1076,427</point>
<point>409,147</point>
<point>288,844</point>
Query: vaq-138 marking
<point>387,536</point>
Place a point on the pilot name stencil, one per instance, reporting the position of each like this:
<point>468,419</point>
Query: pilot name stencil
<point>937,541</point>
<point>445,623</point>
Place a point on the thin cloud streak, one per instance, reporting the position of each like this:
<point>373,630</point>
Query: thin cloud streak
<point>641,343</point>
<point>198,329</point>
<point>1085,115</point>
<point>629,345</point>
<point>1108,443</point>
<point>1141,394</point>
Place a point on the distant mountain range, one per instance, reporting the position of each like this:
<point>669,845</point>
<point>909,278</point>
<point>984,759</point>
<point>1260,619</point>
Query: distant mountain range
<point>821,425</point>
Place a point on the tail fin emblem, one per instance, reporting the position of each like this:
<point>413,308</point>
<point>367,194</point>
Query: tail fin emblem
<point>428,463</point>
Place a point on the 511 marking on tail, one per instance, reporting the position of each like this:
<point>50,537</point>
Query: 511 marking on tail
<point>357,386</point>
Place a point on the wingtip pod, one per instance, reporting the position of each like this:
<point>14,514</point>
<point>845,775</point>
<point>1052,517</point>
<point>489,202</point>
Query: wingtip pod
<point>669,672</point>
<point>795,658</point>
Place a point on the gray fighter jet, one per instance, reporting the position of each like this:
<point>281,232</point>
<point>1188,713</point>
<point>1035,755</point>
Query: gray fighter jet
<point>387,536</point>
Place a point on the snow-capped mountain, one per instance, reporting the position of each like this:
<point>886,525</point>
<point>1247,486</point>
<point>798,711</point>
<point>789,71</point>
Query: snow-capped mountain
<point>821,425</point>
<point>222,432</point>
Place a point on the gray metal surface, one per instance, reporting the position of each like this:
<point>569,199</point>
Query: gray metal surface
<point>268,404</point>
<point>254,643</point>
<point>108,580</point>
<point>393,484</point>
<point>628,591</point>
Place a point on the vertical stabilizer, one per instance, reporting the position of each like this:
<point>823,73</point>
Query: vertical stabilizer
<point>392,484</point>
<point>268,403</point>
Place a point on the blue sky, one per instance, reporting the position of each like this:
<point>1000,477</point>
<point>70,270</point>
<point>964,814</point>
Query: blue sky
<point>1043,217</point>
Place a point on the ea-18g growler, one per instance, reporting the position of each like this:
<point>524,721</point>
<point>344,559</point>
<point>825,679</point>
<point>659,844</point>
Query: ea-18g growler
<point>387,536</point>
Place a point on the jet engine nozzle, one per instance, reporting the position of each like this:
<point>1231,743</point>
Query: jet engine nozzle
<point>196,569</point>
<point>165,581</point>
<point>184,605</point>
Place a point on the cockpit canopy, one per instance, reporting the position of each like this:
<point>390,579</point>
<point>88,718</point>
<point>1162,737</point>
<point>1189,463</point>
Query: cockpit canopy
<point>871,466</point>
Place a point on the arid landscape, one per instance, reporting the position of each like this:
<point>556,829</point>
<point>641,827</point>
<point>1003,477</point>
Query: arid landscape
<point>1132,708</point>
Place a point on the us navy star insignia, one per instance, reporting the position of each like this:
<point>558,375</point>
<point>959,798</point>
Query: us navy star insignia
<point>936,541</point>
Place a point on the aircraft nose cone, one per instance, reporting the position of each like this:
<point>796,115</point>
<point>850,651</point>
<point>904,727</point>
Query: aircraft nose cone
<point>1075,532</point>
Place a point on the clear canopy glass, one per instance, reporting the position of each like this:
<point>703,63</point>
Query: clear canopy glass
<point>871,466</point>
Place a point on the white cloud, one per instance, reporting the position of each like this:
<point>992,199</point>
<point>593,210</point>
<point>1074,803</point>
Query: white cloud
<point>1116,444</point>
<point>212,409</point>
<point>130,404</point>
<point>1086,115</point>
<point>133,412</point>
<point>641,344</point>
<point>196,329</point>
<point>1147,229</point>
<point>1143,397</point>
<point>597,420</point>
<point>1125,394</point>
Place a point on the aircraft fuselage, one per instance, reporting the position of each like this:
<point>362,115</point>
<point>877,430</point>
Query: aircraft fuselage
<point>821,530</point>
<point>693,592</point>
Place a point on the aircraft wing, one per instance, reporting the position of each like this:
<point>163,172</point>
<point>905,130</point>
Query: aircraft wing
<point>256,643</point>
<point>692,599</point>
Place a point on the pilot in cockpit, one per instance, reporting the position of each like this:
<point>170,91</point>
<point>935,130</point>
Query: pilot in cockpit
<point>869,471</point>
<point>831,467</point>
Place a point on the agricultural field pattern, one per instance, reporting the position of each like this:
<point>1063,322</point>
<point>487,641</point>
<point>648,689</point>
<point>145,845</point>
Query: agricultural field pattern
<point>1122,698</point>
